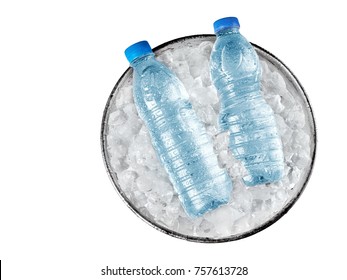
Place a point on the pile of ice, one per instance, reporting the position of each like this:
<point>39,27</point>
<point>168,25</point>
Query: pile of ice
<point>144,181</point>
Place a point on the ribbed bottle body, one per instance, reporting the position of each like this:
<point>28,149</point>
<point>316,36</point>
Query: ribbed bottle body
<point>179,138</point>
<point>254,139</point>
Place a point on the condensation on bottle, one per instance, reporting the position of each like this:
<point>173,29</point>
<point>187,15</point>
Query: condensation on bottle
<point>236,74</point>
<point>177,135</point>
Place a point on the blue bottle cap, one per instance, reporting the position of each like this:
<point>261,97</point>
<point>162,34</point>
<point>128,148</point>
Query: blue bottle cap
<point>138,49</point>
<point>225,23</point>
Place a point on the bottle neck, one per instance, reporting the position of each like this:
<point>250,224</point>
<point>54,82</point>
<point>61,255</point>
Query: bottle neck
<point>228,31</point>
<point>137,62</point>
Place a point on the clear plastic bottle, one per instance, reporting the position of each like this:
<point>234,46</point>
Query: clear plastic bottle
<point>236,73</point>
<point>178,137</point>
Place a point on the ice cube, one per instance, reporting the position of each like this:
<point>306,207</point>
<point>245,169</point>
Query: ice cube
<point>124,96</point>
<point>205,48</point>
<point>144,183</point>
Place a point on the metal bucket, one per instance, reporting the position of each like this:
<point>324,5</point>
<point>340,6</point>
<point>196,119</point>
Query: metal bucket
<point>292,83</point>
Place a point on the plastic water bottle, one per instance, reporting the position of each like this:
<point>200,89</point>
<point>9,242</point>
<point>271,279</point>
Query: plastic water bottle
<point>177,135</point>
<point>236,73</point>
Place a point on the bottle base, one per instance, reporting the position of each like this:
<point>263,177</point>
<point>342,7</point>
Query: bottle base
<point>261,178</point>
<point>197,205</point>
<point>195,212</point>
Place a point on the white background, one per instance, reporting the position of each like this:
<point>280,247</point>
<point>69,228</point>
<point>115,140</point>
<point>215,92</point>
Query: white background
<point>60,217</point>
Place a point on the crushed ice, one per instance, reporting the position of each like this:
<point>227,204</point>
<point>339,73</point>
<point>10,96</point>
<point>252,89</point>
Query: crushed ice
<point>144,181</point>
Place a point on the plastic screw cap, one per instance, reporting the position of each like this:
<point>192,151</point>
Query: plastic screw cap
<point>227,22</point>
<point>137,50</point>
